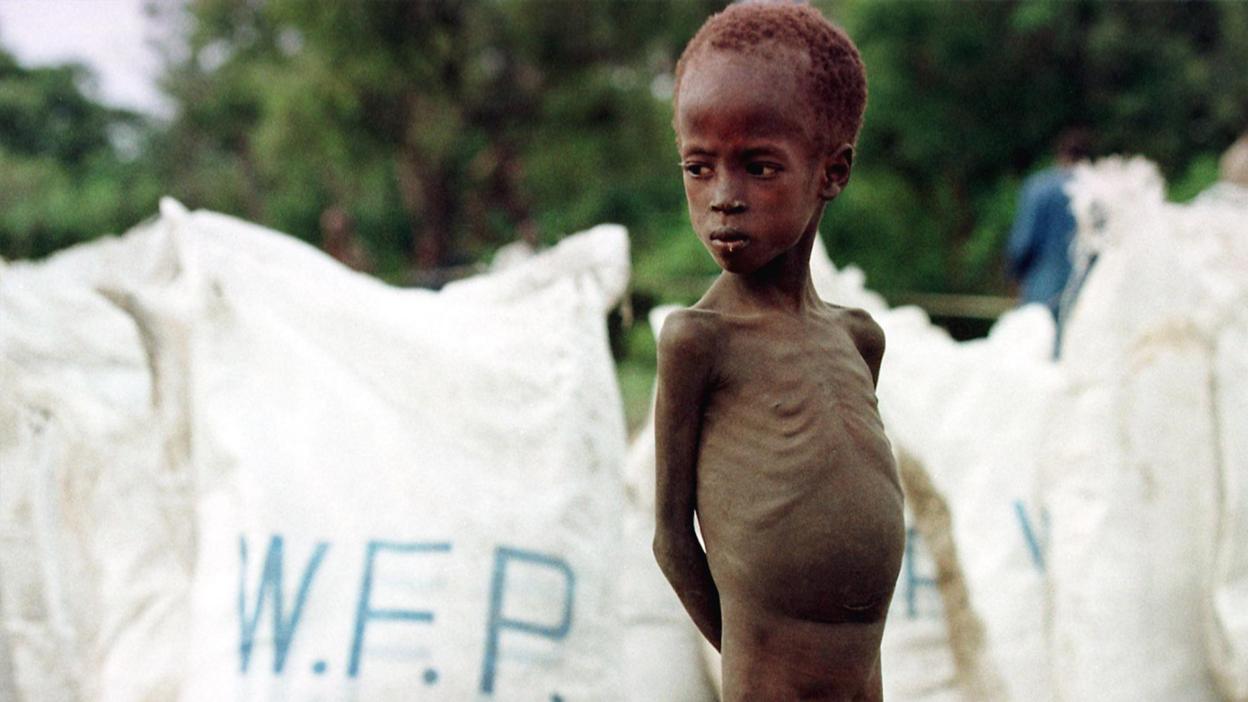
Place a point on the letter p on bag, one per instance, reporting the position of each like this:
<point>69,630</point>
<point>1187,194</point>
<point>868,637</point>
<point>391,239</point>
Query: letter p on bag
<point>506,558</point>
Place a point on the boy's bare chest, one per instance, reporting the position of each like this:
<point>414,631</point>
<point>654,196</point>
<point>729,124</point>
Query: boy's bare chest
<point>790,409</point>
<point>785,371</point>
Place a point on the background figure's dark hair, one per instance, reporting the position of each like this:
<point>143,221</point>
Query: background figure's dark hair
<point>835,79</point>
<point>1074,144</point>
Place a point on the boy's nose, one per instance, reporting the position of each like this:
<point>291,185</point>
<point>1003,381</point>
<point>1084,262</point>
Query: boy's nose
<point>726,198</point>
<point>727,205</point>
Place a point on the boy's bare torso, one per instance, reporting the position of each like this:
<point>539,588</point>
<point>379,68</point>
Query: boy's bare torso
<point>798,501</point>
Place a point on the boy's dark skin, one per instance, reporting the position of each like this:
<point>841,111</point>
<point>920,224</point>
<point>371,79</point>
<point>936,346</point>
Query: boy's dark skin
<point>766,418</point>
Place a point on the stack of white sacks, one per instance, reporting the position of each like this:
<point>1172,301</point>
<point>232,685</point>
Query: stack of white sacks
<point>1098,504</point>
<point>231,469</point>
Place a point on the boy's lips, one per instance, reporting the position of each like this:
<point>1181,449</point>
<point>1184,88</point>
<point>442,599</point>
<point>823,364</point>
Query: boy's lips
<point>729,240</point>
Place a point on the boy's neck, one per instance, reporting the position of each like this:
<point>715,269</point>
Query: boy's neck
<point>782,285</point>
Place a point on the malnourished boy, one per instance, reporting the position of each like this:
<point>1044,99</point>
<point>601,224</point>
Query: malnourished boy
<point>766,418</point>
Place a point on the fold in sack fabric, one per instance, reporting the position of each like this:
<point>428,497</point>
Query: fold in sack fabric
<point>1143,481</point>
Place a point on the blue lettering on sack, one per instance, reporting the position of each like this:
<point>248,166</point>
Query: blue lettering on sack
<point>267,600</point>
<point>912,580</point>
<point>364,611</point>
<point>1037,541</point>
<point>498,621</point>
<point>270,589</point>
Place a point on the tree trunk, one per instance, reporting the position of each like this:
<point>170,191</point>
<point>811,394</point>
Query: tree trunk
<point>430,203</point>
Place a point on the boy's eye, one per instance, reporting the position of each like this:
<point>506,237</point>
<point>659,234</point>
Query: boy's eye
<point>764,170</point>
<point>696,170</point>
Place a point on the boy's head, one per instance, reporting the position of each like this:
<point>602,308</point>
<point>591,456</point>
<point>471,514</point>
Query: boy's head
<point>830,72</point>
<point>768,102</point>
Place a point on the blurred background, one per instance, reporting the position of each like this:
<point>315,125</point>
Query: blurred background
<point>413,141</point>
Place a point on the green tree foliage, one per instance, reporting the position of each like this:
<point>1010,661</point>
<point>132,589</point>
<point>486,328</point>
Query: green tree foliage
<point>61,178</point>
<point>449,127</point>
<point>445,127</point>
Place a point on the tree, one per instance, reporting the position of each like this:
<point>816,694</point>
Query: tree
<point>62,180</point>
<point>447,127</point>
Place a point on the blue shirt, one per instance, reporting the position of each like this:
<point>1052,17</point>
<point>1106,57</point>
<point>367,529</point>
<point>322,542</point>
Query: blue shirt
<point>1039,248</point>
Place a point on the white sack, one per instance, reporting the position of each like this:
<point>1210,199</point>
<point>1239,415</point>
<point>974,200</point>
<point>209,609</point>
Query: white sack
<point>399,493</point>
<point>1133,466</point>
<point>461,447</point>
<point>974,416</point>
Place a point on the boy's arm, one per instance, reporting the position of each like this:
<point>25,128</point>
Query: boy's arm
<point>685,356</point>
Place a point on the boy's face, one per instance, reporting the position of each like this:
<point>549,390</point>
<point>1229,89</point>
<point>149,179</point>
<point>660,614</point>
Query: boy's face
<point>754,180</point>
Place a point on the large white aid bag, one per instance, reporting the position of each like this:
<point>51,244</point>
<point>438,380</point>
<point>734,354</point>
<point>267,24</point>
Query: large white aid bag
<point>402,494</point>
<point>1132,465</point>
<point>384,494</point>
<point>972,417</point>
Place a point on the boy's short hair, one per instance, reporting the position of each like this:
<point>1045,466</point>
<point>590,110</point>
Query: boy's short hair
<point>835,81</point>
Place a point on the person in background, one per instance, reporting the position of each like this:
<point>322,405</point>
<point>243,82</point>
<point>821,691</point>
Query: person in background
<point>1038,252</point>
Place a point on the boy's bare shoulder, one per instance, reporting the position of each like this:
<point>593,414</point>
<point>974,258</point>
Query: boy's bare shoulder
<point>866,333</point>
<point>690,333</point>
<point>862,326</point>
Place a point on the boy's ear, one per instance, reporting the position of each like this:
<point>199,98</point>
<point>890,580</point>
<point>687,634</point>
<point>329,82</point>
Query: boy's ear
<point>834,175</point>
